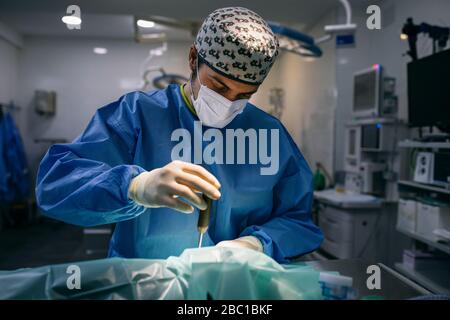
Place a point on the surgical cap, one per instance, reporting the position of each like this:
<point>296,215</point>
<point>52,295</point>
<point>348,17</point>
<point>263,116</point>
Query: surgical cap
<point>237,43</point>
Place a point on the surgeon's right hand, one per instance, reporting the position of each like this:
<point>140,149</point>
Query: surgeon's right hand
<point>162,187</point>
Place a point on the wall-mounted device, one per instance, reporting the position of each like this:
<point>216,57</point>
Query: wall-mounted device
<point>45,102</point>
<point>373,93</point>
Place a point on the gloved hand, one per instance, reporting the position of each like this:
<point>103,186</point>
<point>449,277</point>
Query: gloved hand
<point>249,242</point>
<point>161,187</point>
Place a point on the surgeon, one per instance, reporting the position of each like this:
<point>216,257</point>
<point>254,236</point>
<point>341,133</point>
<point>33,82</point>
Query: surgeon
<point>121,169</point>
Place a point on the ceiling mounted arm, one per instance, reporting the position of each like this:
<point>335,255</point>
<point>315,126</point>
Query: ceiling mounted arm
<point>348,26</point>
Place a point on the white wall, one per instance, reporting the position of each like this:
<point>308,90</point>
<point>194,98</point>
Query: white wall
<point>83,81</point>
<point>310,98</point>
<point>9,64</point>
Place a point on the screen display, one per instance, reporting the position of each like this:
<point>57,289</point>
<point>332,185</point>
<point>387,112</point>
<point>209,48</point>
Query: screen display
<point>370,136</point>
<point>429,91</point>
<point>442,167</point>
<point>364,91</point>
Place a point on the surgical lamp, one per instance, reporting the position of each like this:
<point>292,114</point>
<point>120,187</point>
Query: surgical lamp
<point>296,42</point>
<point>304,45</point>
<point>163,80</point>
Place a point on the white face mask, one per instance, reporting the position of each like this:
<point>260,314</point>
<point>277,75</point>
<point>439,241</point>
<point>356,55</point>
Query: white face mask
<point>213,109</point>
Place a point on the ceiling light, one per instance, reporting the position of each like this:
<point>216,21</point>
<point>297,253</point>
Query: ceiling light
<point>99,50</point>
<point>145,23</point>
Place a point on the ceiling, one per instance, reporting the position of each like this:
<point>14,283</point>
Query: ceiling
<point>110,26</point>
<point>114,18</point>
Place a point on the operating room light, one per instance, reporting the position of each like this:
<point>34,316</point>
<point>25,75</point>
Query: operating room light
<point>145,23</point>
<point>71,20</point>
<point>403,36</point>
<point>99,50</point>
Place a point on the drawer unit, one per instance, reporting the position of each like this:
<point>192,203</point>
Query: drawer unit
<point>349,233</point>
<point>407,215</point>
<point>335,228</point>
<point>431,217</point>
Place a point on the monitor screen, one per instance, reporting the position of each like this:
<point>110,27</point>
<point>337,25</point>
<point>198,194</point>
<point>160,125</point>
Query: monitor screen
<point>370,136</point>
<point>441,172</point>
<point>429,91</point>
<point>364,92</point>
<point>367,91</point>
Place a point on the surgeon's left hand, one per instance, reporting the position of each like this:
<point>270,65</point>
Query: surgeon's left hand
<point>248,242</point>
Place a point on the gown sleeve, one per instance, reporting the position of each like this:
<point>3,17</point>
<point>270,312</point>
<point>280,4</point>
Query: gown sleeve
<point>86,182</point>
<point>290,231</point>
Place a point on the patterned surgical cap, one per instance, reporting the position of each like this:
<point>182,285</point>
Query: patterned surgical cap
<point>237,43</point>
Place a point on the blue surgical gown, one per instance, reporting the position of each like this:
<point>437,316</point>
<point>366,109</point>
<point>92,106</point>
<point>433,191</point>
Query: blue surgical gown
<point>15,182</point>
<point>86,183</point>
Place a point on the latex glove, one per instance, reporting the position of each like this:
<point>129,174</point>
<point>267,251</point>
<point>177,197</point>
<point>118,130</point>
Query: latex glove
<point>249,242</point>
<point>162,187</point>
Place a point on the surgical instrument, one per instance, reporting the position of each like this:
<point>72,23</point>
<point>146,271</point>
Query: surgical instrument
<point>203,220</point>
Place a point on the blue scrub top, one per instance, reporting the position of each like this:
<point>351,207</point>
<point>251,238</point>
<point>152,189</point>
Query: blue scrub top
<point>86,183</point>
